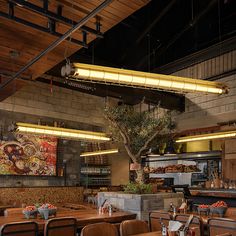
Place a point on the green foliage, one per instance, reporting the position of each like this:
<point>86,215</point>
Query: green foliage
<point>138,188</point>
<point>137,126</point>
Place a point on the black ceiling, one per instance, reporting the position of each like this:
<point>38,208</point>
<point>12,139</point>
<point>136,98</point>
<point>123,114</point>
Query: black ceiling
<point>161,32</point>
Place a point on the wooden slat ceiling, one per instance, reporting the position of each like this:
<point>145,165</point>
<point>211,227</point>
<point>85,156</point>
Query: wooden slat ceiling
<point>29,42</point>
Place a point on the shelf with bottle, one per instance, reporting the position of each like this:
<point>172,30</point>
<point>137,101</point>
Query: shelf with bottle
<point>95,172</point>
<point>92,181</point>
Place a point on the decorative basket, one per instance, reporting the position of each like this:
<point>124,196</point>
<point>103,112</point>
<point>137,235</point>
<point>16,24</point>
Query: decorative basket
<point>46,212</point>
<point>218,210</point>
<point>30,214</point>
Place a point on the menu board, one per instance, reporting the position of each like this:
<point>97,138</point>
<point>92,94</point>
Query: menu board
<point>29,155</point>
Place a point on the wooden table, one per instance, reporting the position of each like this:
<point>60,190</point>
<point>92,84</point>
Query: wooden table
<point>83,216</point>
<point>155,233</point>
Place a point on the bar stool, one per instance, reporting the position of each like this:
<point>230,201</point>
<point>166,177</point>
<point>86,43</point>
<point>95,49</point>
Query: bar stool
<point>27,228</point>
<point>99,229</point>
<point>154,219</point>
<point>61,227</point>
<point>131,227</point>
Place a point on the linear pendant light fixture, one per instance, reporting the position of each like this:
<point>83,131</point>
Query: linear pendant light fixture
<point>209,136</point>
<point>61,132</point>
<point>108,75</point>
<point>100,152</point>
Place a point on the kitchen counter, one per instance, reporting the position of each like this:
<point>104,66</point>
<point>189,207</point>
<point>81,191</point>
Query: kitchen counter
<point>224,193</point>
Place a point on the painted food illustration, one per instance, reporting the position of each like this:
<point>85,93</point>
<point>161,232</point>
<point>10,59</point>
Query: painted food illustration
<point>29,155</point>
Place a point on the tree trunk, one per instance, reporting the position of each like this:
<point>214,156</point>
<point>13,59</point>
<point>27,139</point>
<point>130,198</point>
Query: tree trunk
<point>140,176</point>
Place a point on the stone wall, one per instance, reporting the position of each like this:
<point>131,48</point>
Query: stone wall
<point>207,110</point>
<point>140,204</point>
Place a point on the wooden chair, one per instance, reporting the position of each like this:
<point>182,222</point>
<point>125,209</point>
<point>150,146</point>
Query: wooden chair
<point>27,228</point>
<point>217,226</point>
<point>99,229</point>
<point>230,212</point>
<point>61,227</point>
<point>196,223</point>
<point>131,227</point>
<point>154,219</point>
<point>13,211</point>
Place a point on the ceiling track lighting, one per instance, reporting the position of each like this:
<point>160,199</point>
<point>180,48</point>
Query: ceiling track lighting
<point>108,75</point>
<point>100,152</point>
<point>209,136</point>
<point>61,132</point>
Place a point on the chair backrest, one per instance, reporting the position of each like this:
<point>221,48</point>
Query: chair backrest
<point>131,227</point>
<point>27,228</point>
<point>13,211</point>
<point>226,234</point>
<point>221,226</point>
<point>154,219</point>
<point>196,223</point>
<point>230,212</point>
<point>60,227</point>
<point>99,229</point>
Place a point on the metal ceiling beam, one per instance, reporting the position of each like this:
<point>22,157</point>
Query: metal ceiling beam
<point>54,16</point>
<point>58,41</point>
<point>131,96</point>
<point>40,28</point>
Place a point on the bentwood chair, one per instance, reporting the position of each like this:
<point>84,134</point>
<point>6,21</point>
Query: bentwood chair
<point>131,227</point>
<point>27,228</point>
<point>196,223</point>
<point>99,229</point>
<point>155,218</point>
<point>218,226</point>
<point>65,226</point>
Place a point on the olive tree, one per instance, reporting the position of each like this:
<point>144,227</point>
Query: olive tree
<point>137,129</point>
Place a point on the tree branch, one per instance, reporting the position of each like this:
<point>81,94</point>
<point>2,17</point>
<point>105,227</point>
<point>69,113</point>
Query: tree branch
<point>149,141</point>
<point>125,139</point>
<point>127,148</point>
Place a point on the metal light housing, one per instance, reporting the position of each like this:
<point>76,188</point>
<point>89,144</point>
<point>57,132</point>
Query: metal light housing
<point>108,75</point>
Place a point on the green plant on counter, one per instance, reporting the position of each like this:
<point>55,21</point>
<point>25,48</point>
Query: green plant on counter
<point>138,188</point>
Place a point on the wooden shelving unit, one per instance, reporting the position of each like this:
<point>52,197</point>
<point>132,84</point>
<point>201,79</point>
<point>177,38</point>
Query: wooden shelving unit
<point>95,172</point>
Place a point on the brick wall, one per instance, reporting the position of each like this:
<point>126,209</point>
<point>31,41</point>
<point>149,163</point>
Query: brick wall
<point>36,99</point>
<point>207,110</point>
<point>78,110</point>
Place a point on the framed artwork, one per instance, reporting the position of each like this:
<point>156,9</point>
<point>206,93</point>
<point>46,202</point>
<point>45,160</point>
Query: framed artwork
<point>29,155</point>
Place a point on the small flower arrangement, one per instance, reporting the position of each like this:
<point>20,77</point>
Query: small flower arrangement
<point>48,206</point>
<point>47,210</point>
<point>30,212</point>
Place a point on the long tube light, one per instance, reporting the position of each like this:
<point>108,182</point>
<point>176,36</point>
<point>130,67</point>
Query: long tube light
<point>101,152</point>
<point>108,75</point>
<point>61,132</point>
<point>216,135</point>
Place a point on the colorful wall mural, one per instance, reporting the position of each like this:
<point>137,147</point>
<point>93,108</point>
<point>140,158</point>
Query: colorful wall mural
<point>29,155</point>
